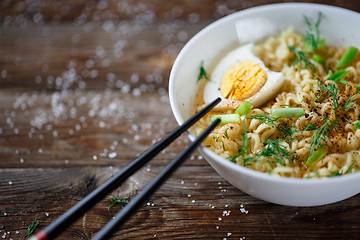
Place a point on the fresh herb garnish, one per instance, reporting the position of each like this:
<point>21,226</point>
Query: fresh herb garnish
<point>351,166</point>
<point>319,138</point>
<point>301,59</point>
<point>117,200</point>
<point>243,154</point>
<point>312,40</point>
<point>202,74</point>
<point>277,151</point>
<point>33,226</point>
<point>318,58</point>
<point>334,173</point>
<point>330,90</point>
<point>338,76</point>
<point>316,157</point>
<point>286,131</point>
<point>226,133</point>
<point>310,127</point>
<point>357,125</point>
<point>347,58</point>
<point>349,104</point>
<point>265,118</point>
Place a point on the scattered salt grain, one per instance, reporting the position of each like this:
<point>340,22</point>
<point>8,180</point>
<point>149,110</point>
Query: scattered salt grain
<point>3,73</point>
<point>95,157</point>
<point>226,213</point>
<point>112,155</point>
<point>134,78</point>
<point>243,210</point>
<point>136,92</point>
<point>102,124</point>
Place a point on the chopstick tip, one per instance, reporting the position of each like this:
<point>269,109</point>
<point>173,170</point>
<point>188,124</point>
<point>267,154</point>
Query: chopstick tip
<point>41,235</point>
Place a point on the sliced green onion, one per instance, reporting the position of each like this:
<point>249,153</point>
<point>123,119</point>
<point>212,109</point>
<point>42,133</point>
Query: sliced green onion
<point>318,58</point>
<point>357,125</point>
<point>317,156</point>
<point>287,112</point>
<point>347,58</point>
<point>337,77</point>
<point>244,108</point>
<point>227,118</point>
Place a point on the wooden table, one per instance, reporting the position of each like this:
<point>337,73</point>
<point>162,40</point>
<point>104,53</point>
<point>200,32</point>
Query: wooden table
<point>84,91</point>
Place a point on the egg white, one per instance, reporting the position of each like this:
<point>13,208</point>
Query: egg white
<point>242,53</point>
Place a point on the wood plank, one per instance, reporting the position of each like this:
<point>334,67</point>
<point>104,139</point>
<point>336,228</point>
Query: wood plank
<point>108,127</point>
<point>195,203</point>
<point>93,58</point>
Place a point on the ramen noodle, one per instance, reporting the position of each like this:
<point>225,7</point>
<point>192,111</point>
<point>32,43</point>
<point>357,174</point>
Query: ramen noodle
<point>284,146</point>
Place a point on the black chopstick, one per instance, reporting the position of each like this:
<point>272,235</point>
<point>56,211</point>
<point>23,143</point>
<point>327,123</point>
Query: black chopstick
<point>56,227</point>
<point>130,208</point>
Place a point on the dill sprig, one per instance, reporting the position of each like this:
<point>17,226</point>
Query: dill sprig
<point>319,138</point>
<point>226,133</point>
<point>331,90</point>
<point>33,226</point>
<point>312,42</point>
<point>310,127</point>
<point>202,74</point>
<point>277,151</point>
<point>301,59</point>
<point>117,200</point>
<point>312,39</point>
<point>265,118</point>
<point>350,102</point>
<point>243,154</point>
<point>285,130</point>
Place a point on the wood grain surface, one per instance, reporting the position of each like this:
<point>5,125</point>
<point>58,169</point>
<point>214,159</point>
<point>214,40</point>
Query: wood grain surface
<point>83,91</point>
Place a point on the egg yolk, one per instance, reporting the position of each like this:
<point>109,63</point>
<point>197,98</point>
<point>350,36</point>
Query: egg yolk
<point>242,80</point>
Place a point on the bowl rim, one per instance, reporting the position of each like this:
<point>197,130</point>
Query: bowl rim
<point>223,161</point>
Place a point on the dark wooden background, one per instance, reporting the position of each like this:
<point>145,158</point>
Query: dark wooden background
<point>84,91</point>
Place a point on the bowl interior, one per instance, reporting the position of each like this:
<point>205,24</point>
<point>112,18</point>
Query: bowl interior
<point>339,29</point>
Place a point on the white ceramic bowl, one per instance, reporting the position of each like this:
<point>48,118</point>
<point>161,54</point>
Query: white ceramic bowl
<point>339,27</point>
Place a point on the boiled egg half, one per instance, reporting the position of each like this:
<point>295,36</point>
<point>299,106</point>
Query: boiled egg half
<point>241,76</point>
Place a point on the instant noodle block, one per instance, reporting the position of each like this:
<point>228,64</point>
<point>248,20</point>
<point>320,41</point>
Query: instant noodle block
<point>298,143</point>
